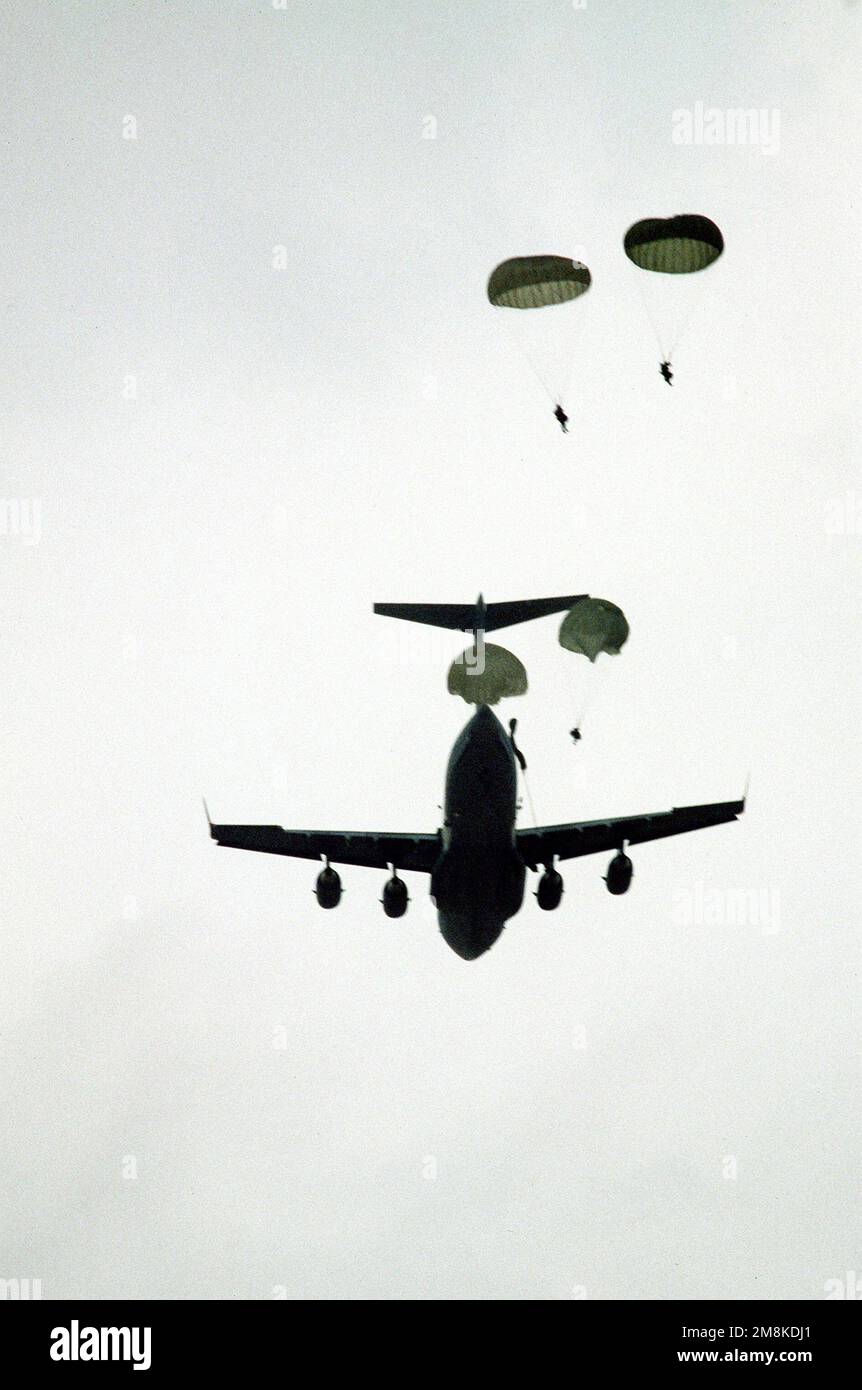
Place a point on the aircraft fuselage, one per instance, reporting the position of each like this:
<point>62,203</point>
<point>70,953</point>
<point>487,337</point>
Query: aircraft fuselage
<point>478,881</point>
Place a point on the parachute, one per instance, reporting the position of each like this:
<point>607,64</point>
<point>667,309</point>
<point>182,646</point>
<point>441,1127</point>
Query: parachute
<point>534,282</point>
<point>592,626</point>
<point>479,682</point>
<point>674,245</point>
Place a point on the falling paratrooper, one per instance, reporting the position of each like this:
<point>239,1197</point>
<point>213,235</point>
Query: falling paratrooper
<point>593,626</point>
<point>539,282</point>
<point>673,246</point>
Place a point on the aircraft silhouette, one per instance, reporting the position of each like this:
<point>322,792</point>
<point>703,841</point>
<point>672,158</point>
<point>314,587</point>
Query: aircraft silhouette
<point>478,859</point>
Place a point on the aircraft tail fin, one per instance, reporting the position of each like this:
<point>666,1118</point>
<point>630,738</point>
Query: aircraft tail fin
<point>478,616</point>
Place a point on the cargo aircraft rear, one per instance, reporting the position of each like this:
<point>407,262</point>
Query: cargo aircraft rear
<point>478,859</point>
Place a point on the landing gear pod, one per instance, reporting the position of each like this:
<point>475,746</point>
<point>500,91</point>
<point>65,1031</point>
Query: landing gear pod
<point>327,890</point>
<point>619,874</point>
<point>395,897</point>
<point>550,889</point>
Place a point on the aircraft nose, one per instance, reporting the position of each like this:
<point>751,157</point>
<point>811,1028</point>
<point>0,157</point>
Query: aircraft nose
<point>470,934</point>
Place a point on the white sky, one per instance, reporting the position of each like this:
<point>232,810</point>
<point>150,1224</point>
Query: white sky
<point>335,1104</point>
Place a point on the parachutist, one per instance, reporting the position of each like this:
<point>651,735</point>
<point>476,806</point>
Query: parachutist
<point>536,283</point>
<point>576,735</point>
<point>522,761</point>
<point>682,245</point>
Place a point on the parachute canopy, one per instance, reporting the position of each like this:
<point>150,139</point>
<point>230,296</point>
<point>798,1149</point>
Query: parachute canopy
<point>534,282</point>
<point>674,245</point>
<point>594,625</point>
<point>486,675</point>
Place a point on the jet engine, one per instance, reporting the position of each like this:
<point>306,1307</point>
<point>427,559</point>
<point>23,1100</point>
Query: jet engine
<point>619,874</point>
<point>327,890</point>
<point>550,890</point>
<point>395,897</point>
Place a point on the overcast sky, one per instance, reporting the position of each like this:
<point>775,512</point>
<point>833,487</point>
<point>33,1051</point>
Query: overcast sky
<point>250,385</point>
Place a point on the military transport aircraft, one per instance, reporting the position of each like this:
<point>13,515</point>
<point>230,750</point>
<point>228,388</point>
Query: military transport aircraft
<point>478,859</point>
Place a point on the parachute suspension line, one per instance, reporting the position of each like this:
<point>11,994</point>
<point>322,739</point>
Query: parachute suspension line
<point>665,357</point>
<point>585,706</point>
<point>589,696</point>
<point>570,378</point>
<point>529,798</point>
<point>679,334</point>
<point>519,348</point>
<point>694,309</point>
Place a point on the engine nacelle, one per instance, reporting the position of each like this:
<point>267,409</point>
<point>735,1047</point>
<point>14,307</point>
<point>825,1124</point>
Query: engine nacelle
<point>395,897</point>
<point>619,874</point>
<point>550,890</point>
<point>328,888</point>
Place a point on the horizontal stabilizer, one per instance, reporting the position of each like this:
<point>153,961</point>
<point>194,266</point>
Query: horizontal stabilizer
<point>479,616</point>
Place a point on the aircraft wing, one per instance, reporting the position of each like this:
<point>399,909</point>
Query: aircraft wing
<point>539,846</point>
<point>376,851</point>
